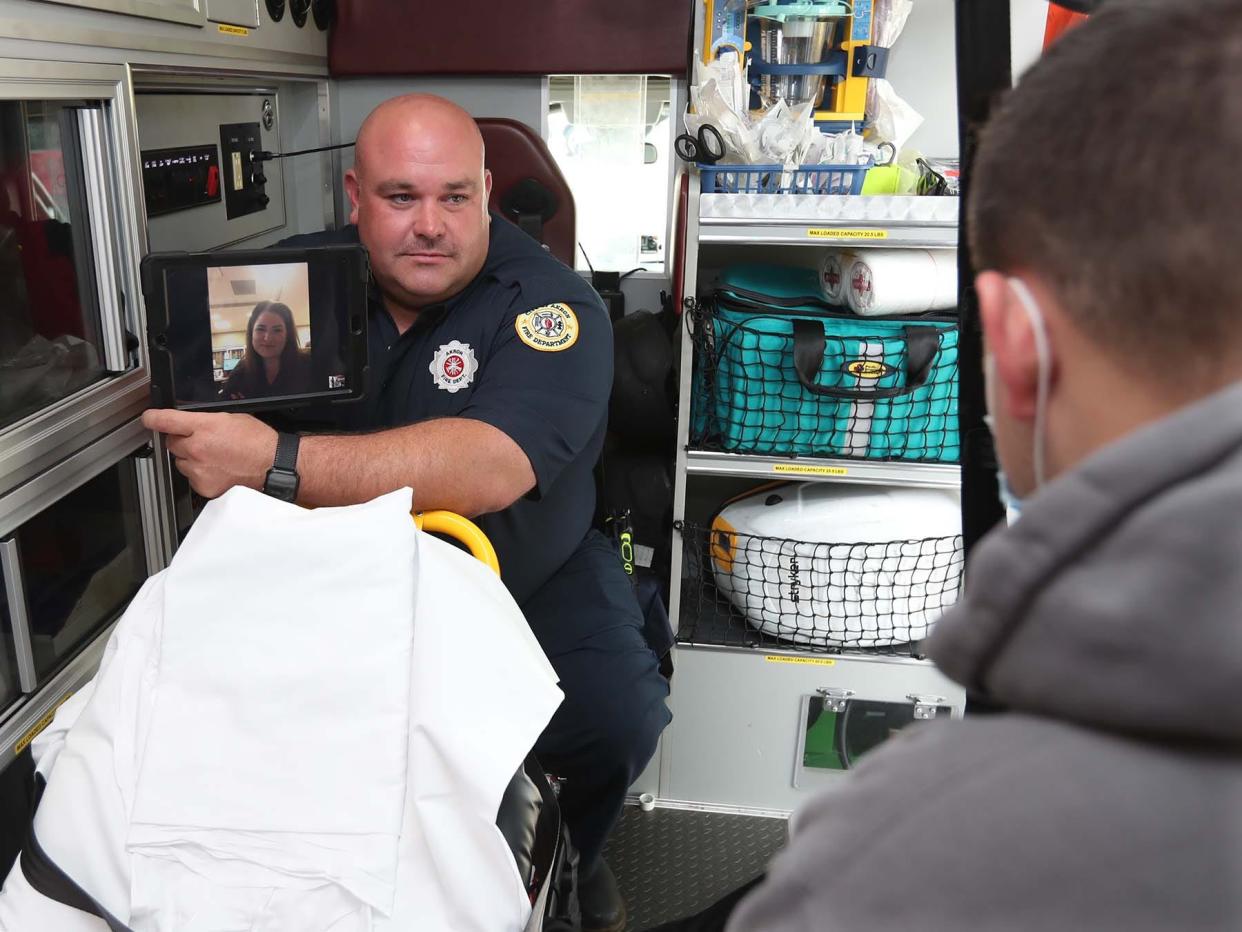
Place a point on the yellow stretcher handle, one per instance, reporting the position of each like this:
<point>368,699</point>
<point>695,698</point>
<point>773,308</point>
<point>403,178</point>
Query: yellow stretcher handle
<point>462,530</point>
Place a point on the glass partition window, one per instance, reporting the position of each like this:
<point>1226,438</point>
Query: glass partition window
<point>611,137</point>
<point>81,560</point>
<point>50,329</point>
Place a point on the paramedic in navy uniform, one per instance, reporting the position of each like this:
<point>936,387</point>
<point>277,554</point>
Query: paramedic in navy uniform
<point>491,367</point>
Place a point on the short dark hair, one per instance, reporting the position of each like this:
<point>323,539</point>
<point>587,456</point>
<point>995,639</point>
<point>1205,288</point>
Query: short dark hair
<point>1110,173</point>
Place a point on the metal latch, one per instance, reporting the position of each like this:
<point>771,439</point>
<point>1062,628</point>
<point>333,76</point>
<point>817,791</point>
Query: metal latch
<point>925,706</point>
<point>835,698</point>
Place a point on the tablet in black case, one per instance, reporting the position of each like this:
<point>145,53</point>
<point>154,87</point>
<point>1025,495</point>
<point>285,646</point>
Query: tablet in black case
<point>248,330</point>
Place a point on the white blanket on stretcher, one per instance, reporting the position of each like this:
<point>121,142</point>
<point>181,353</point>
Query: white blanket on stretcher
<point>306,723</point>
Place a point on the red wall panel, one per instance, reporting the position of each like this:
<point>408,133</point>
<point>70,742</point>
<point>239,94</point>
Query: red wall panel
<point>407,37</point>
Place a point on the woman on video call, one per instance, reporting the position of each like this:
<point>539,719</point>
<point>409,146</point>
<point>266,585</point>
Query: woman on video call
<point>273,364</point>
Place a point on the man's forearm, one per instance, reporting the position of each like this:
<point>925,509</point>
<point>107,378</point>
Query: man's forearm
<point>457,464</point>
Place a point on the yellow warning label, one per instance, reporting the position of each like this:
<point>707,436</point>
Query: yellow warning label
<point>798,469</point>
<point>233,30</point>
<point>24,741</point>
<point>815,233</point>
<point>804,661</point>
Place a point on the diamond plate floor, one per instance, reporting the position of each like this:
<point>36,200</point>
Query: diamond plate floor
<point>672,863</point>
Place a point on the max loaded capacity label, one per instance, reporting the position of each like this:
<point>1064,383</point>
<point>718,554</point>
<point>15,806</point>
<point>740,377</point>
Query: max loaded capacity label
<point>817,233</point>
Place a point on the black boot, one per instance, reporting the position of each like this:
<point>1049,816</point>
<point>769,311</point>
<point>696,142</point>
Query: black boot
<point>603,909</point>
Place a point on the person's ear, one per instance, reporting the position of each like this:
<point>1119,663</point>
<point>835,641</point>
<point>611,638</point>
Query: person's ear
<point>487,189</point>
<point>1008,335</point>
<point>354,189</point>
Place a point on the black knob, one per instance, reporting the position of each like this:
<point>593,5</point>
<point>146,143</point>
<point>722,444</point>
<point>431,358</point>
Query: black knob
<point>258,178</point>
<point>324,12</point>
<point>299,9</point>
<point>276,10</point>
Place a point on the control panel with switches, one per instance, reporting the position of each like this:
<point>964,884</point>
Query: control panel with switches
<point>177,179</point>
<point>244,179</point>
<point>229,132</point>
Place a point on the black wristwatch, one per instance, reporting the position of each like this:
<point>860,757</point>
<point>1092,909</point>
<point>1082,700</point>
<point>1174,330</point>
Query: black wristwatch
<point>282,478</point>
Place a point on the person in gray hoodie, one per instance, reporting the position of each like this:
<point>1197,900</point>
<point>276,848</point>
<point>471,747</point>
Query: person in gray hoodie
<point>1107,621</point>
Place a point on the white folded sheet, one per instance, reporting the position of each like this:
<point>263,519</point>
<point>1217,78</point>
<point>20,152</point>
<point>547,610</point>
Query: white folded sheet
<point>286,639</point>
<point>479,691</point>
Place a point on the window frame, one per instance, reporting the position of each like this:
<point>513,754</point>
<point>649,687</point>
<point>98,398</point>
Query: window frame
<point>24,716</point>
<point>677,105</point>
<point>40,439</point>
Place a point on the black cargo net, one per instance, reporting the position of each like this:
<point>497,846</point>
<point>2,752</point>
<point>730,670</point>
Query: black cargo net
<point>785,386</point>
<point>741,590</point>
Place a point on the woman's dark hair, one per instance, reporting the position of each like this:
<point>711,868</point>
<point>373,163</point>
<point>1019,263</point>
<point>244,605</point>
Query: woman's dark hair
<point>251,361</point>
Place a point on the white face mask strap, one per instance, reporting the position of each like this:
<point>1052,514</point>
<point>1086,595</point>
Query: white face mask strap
<point>1044,362</point>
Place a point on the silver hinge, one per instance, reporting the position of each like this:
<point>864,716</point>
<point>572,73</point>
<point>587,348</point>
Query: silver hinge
<point>925,706</point>
<point>835,698</point>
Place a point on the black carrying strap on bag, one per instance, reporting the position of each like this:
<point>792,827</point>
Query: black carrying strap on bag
<point>922,342</point>
<point>46,877</point>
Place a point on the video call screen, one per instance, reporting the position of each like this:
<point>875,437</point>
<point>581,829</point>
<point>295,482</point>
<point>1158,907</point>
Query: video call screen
<point>260,332</point>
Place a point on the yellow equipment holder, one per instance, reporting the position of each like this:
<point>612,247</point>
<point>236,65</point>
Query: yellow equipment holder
<point>846,100</point>
<point>462,530</point>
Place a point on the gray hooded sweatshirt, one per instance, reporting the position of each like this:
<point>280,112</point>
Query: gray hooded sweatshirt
<point>1108,621</point>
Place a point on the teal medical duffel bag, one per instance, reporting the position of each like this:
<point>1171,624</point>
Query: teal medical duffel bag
<point>779,372</point>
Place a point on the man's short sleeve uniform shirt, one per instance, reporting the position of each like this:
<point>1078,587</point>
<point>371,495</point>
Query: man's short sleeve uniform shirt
<point>527,348</point>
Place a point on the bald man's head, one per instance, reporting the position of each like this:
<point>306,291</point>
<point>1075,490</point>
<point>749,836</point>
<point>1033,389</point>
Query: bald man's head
<point>418,192</point>
<point>420,117</point>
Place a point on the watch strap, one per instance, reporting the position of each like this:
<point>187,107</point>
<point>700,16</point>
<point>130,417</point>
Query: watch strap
<point>286,452</point>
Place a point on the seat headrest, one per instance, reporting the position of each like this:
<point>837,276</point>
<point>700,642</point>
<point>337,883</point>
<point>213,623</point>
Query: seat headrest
<point>528,187</point>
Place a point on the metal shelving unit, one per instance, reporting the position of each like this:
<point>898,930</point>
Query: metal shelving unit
<point>740,695</point>
<point>759,232</point>
<point>820,233</point>
<point>823,469</point>
<point>740,698</point>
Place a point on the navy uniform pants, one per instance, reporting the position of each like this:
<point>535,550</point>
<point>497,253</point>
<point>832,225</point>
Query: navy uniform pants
<point>588,621</point>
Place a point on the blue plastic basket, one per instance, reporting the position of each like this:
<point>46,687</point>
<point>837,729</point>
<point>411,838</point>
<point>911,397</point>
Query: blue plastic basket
<point>775,179</point>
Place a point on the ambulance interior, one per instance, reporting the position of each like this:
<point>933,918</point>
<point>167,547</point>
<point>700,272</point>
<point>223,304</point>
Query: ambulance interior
<point>137,126</point>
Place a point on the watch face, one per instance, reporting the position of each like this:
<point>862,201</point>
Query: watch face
<point>281,484</point>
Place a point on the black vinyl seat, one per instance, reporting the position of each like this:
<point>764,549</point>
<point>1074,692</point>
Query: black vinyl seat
<point>528,188</point>
<point>529,818</point>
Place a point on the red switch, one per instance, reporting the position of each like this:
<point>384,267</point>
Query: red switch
<point>213,181</point>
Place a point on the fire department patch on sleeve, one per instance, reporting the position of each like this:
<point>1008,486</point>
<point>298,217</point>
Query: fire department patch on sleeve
<point>549,329</point>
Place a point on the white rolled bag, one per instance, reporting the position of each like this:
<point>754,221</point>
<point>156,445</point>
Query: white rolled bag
<point>881,282</point>
<point>837,565</point>
<point>305,723</point>
<point>834,267</point>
